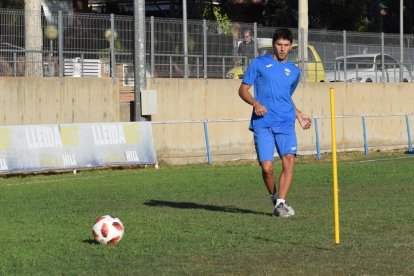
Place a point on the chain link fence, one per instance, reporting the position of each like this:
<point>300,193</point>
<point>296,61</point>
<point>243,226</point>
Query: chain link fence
<point>91,45</point>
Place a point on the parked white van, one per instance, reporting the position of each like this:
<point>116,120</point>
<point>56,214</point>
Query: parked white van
<point>368,68</point>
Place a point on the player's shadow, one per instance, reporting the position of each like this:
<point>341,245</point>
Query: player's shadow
<point>192,205</point>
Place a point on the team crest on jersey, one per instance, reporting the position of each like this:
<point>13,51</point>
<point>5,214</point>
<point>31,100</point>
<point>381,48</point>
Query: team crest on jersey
<point>287,72</point>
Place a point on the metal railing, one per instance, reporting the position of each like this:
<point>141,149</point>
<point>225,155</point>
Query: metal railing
<point>212,47</point>
<point>364,143</point>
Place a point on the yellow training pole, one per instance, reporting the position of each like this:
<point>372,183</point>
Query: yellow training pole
<point>334,168</point>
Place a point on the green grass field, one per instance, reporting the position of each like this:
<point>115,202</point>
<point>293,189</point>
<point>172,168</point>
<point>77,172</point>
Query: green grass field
<point>203,220</point>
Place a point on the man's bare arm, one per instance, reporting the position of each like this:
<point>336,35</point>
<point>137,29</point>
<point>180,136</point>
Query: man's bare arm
<point>244,93</point>
<point>304,120</point>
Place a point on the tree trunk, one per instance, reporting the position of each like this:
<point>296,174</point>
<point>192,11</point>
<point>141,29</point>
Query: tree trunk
<point>33,38</point>
<point>303,23</point>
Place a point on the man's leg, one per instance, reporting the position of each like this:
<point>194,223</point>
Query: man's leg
<point>268,176</point>
<point>265,148</point>
<point>283,209</point>
<point>286,175</point>
<point>286,146</point>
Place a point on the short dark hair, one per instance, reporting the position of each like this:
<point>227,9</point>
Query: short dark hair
<point>283,33</point>
<point>248,31</point>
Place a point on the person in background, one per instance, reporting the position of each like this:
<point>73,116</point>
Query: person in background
<point>246,49</point>
<point>275,78</point>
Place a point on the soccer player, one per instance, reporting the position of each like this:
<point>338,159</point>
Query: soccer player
<point>275,78</point>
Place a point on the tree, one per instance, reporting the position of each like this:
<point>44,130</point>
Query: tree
<point>9,24</point>
<point>280,13</point>
<point>303,25</point>
<point>408,17</point>
<point>33,38</point>
<point>12,4</point>
<point>338,15</point>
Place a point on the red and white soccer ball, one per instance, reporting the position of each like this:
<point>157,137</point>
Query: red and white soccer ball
<point>108,229</point>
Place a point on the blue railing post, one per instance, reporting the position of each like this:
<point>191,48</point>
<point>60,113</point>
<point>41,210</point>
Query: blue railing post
<point>207,143</point>
<point>364,129</point>
<point>410,145</point>
<point>318,146</point>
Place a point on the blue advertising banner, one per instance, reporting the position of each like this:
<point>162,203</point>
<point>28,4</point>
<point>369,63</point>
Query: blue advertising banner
<point>33,148</point>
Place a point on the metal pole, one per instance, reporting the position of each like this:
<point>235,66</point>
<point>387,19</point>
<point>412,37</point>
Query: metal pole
<point>14,64</point>
<point>303,26</point>
<point>344,48</point>
<point>171,62</point>
<point>223,68</point>
<point>382,59</point>
<point>152,47</point>
<point>50,55</point>
<point>255,39</point>
<point>401,38</point>
<point>198,67</point>
<point>302,54</point>
<point>185,39</point>
<point>205,47</point>
<point>140,81</point>
<point>60,43</point>
<point>82,60</point>
<point>112,46</point>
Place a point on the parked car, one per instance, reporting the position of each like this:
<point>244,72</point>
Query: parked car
<point>314,68</point>
<point>368,68</point>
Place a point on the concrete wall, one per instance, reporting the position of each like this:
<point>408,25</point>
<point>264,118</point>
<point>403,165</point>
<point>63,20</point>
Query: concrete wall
<point>25,101</point>
<point>77,100</point>
<point>196,99</point>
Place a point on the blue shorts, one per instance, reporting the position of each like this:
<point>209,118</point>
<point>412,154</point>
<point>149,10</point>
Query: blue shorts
<point>266,139</point>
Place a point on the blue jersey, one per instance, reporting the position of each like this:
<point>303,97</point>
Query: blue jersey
<point>274,83</point>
